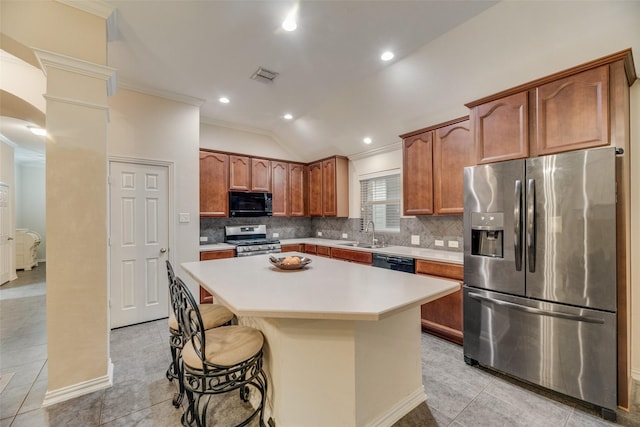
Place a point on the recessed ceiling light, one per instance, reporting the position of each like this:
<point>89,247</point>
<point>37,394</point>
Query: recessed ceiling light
<point>37,131</point>
<point>224,100</point>
<point>387,56</point>
<point>289,23</point>
<point>367,140</point>
<point>288,116</point>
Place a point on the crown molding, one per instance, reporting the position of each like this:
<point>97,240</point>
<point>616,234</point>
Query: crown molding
<point>178,97</point>
<point>94,7</point>
<point>236,126</point>
<point>381,150</point>
<point>49,59</point>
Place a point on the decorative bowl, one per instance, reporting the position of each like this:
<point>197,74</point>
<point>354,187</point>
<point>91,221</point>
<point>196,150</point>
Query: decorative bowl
<point>288,263</point>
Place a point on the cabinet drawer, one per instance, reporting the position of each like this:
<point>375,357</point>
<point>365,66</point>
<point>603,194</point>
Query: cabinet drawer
<point>310,249</point>
<point>298,247</point>
<point>353,256</point>
<point>451,271</point>
<point>227,253</point>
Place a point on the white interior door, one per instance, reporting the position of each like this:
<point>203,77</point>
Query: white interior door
<point>5,235</point>
<point>139,238</point>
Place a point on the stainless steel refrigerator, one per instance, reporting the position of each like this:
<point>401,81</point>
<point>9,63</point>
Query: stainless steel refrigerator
<point>540,272</point>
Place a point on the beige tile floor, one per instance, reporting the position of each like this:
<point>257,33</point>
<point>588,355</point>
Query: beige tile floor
<point>458,395</point>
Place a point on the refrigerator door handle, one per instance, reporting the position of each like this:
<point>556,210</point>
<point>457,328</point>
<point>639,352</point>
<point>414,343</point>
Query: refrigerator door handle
<point>533,310</point>
<point>517,221</point>
<point>531,225</point>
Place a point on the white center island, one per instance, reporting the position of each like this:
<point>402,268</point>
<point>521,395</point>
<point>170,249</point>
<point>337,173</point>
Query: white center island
<point>342,339</point>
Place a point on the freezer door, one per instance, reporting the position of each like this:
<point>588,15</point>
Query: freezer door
<point>563,348</point>
<point>570,228</point>
<point>493,250</point>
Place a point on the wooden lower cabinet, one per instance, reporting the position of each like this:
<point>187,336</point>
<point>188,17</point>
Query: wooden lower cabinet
<point>352,256</point>
<point>297,247</point>
<point>206,297</point>
<point>323,251</point>
<point>443,317</point>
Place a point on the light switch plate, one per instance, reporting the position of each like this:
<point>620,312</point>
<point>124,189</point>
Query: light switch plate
<point>319,233</point>
<point>275,235</point>
<point>439,242</point>
<point>184,217</point>
<point>204,239</point>
<point>415,239</point>
<point>345,235</point>
<point>453,243</point>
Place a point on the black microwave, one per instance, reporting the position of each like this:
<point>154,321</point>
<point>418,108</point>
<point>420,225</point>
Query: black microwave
<point>245,204</point>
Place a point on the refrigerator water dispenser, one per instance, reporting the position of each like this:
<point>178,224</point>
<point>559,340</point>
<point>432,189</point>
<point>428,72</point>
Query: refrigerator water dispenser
<point>487,234</point>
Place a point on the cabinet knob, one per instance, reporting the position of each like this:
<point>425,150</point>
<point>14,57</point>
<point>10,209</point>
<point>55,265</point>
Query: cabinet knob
<point>162,250</point>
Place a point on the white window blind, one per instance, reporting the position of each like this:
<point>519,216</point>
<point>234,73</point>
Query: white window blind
<point>380,202</point>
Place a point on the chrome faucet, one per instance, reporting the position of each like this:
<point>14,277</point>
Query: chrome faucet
<point>373,232</point>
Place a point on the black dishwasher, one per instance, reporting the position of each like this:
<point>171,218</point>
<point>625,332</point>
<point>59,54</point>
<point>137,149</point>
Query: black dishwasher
<point>391,262</point>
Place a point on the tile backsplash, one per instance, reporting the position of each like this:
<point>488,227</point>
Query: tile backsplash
<point>428,228</point>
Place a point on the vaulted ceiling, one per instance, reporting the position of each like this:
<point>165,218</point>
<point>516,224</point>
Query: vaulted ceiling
<point>209,49</point>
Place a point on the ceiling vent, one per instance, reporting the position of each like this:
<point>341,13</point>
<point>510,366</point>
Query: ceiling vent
<point>263,75</point>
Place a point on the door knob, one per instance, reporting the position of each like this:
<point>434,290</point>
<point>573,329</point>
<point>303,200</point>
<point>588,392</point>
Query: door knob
<point>9,238</point>
<point>162,250</point>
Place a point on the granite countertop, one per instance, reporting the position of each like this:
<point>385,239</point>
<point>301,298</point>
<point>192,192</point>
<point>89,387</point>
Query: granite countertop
<point>325,289</point>
<point>405,251</point>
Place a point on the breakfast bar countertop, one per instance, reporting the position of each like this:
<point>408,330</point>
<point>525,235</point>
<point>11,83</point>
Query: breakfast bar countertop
<point>325,289</point>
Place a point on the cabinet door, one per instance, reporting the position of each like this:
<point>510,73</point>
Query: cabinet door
<point>324,251</point>
<point>501,129</point>
<point>572,113</point>
<point>452,150</point>
<point>205,296</point>
<point>417,174</point>
<point>329,199</point>
<point>315,189</point>
<point>444,316</point>
<point>296,189</point>
<point>260,175</point>
<point>280,188</point>
<point>214,179</point>
<point>239,173</point>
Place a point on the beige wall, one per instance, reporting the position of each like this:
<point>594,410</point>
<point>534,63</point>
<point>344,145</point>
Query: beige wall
<point>635,229</point>
<point>147,127</point>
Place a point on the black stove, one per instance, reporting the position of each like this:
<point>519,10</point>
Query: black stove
<point>251,240</point>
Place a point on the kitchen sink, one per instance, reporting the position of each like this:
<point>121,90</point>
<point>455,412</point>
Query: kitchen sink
<point>362,245</point>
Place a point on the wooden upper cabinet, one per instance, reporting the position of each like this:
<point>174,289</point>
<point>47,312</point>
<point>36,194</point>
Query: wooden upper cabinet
<point>501,129</point>
<point>280,188</point>
<point>571,113</point>
<point>417,174</point>
<point>260,175</point>
<point>239,173</point>
<point>453,149</point>
<point>296,189</point>
<point>329,201</point>
<point>214,180</point>
<point>329,187</point>
<point>315,189</point>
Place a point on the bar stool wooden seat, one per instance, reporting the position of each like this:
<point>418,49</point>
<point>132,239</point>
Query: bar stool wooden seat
<point>216,361</point>
<point>213,316</point>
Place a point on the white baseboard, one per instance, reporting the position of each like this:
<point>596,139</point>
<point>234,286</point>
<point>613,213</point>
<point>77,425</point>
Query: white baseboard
<point>400,409</point>
<point>76,390</point>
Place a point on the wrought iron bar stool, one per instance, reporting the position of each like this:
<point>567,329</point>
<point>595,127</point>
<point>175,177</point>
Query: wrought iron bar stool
<point>213,315</point>
<point>216,361</point>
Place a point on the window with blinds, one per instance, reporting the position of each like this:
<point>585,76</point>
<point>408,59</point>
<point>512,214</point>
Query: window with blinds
<point>380,202</point>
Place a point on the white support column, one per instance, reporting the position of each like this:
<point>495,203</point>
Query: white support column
<point>76,200</point>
